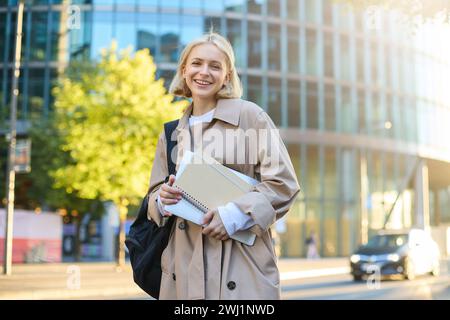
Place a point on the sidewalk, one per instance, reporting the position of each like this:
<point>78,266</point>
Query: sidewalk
<point>84,280</point>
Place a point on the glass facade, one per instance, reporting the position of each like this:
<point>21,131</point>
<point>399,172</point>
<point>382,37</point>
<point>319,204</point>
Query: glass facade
<point>331,84</point>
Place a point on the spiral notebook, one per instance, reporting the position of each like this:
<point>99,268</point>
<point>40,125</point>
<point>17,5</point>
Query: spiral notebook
<point>206,184</point>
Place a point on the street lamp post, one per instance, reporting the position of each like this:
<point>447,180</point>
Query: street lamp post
<point>10,179</point>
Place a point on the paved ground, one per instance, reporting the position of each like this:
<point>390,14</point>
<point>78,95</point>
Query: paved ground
<point>94,280</point>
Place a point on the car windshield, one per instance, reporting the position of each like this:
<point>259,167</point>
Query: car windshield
<point>387,241</point>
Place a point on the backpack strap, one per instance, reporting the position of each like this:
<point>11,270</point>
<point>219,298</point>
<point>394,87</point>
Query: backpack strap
<point>169,128</point>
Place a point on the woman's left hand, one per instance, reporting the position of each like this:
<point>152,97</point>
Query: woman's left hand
<point>214,226</point>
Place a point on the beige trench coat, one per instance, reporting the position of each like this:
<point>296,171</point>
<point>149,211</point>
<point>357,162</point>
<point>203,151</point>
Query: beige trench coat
<point>195,266</point>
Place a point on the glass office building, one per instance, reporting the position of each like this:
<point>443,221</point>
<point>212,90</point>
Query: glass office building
<point>361,104</point>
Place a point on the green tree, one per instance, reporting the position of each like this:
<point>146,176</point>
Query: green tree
<point>109,116</point>
<point>41,191</point>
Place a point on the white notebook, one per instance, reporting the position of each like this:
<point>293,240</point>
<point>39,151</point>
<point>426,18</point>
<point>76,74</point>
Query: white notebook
<point>207,184</point>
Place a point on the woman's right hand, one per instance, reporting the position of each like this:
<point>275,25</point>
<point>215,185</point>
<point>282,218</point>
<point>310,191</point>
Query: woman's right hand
<point>169,194</point>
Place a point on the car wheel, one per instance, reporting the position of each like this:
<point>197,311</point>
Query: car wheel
<point>409,270</point>
<point>357,278</point>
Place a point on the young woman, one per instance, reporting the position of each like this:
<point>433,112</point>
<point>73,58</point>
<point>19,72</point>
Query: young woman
<point>202,262</point>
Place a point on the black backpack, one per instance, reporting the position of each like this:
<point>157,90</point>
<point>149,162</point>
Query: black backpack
<point>146,241</point>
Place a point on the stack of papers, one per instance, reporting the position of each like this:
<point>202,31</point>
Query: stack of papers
<point>206,184</point>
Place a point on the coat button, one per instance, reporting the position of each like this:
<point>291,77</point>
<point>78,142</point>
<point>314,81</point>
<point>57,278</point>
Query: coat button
<point>231,285</point>
<point>181,226</point>
<point>174,277</point>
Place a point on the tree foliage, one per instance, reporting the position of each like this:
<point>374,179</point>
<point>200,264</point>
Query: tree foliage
<point>109,116</point>
<point>47,156</point>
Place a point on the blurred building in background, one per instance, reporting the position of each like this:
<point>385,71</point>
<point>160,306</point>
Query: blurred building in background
<point>362,105</point>
<point>38,237</point>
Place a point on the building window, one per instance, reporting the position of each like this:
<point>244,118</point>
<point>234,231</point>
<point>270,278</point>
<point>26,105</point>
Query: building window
<point>312,106</point>
<point>360,60</point>
<point>57,39</point>
<point>274,45</point>
<point>375,169</point>
<point>192,28</point>
<point>444,204</point>
<point>377,118</point>
<point>374,63</point>
<point>412,110</point>
<point>125,30</point>
<point>344,13</point>
<point>234,5</point>
<point>344,54</point>
<point>102,32</point>
<point>293,9</point>
<point>254,6</point>
<point>311,52</point>
<point>328,54</point>
<point>192,4</point>
<point>38,36</point>
<point>146,32</point>
<point>331,186</point>
<point>171,3</point>
<point>101,2</point>
<point>273,8</point>
<point>330,108</point>
<point>294,104</point>
<point>146,3</point>
<point>312,8</point>
<point>123,2</point>
<point>364,106</point>
<point>36,82</point>
<point>345,110</point>
<point>5,94</point>
<point>254,90</point>
<point>274,102</point>
<point>388,59</point>
<point>169,35</point>
<point>254,44</point>
<point>328,12</point>
<point>330,215</point>
<point>382,65</point>
<point>392,115</point>
<point>312,173</point>
<point>234,35</point>
<point>293,50</point>
<point>3,37</point>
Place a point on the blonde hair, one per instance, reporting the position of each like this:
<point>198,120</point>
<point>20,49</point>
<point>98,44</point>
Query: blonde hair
<point>233,88</point>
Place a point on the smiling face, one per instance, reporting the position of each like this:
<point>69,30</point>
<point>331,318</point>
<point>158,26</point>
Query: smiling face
<point>205,71</point>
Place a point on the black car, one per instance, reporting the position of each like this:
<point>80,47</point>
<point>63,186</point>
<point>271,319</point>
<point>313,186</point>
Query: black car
<point>407,253</point>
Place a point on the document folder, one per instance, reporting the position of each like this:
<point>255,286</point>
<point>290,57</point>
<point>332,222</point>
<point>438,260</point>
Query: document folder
<point>206,184</point>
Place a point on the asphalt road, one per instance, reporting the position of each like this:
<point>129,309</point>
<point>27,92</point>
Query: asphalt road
<point>342,287</point>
